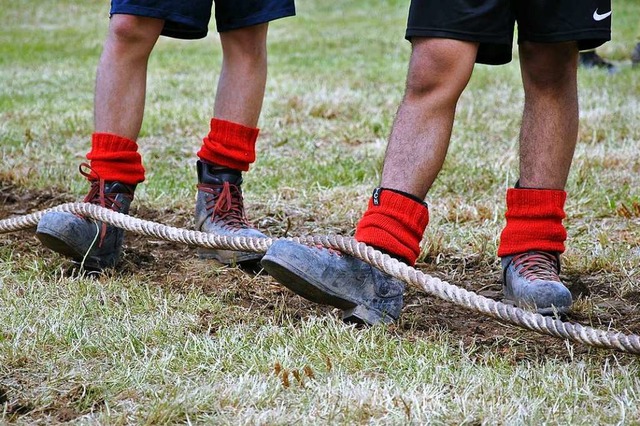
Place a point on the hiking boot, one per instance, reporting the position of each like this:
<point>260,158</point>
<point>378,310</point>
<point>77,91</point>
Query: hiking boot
<point>220,210</point>
<point>635,56</point>
<point>91,244</point>
<point>592,60</point>
<point>365,294</point>
<point>530,280</point>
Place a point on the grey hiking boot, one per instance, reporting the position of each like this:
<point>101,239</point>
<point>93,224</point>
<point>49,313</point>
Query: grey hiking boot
<point>591,59</point>
<point>93,245</point>
<point>635,56</point>
<point>365,294</point>
<point>530,280</point>
<point>220,210</point>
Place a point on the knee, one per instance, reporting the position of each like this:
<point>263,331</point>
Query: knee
<point>431,90</point>
<point>424,82</point>
<point>131,31</point>
<point>438,73</point>
<point>434,84</point>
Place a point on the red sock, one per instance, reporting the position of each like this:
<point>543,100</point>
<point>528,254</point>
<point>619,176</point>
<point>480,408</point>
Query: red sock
<point>534,221</point>
<point>394,223</point>
<point>229,144</point>
<point>114,157</point>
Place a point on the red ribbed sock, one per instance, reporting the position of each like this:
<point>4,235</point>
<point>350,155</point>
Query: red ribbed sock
<point>534,221</point>
<point>394,223</point>
<point>115,158</point>
<point>230,145</point>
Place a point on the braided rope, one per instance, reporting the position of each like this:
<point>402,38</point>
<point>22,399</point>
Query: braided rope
<point>431,285</point>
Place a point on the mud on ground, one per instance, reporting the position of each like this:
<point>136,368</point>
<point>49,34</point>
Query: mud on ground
<point>424,317</point>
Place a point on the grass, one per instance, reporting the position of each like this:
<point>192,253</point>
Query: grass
<point>130,353</point>
<point>170,339</point>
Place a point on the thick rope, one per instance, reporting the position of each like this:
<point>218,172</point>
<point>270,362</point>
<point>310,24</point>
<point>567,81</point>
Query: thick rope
<point>431,285</point>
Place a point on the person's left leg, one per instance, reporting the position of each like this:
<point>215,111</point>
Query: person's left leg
<point>229,148</point>
<point>534,236</point>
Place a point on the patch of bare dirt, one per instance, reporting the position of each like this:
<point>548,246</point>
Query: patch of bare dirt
<point>425,317</point>
<point>66,406</point>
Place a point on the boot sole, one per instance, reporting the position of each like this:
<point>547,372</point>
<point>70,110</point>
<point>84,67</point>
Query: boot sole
<point>293,278</point>
<point>298,281</point>
<point>53,241</point>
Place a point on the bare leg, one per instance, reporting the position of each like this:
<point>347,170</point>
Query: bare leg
<point>550,120</point>
<point>439,71</point>
<point>122,75</point>
<point>243,77</point>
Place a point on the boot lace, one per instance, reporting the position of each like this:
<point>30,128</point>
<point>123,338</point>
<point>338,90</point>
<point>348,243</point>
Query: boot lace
<point>537,265</point>
<point>98,196</point>
<point>225,205</point>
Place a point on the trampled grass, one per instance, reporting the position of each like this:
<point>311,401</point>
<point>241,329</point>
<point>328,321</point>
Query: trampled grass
<point>171,339</point>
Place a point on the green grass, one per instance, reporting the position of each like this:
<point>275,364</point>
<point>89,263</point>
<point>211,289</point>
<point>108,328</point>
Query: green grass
<point>195,343</point>
<point>125,351</point>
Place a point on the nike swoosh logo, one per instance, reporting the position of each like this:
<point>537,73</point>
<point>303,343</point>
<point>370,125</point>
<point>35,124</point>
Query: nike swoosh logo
<point>600,16</point>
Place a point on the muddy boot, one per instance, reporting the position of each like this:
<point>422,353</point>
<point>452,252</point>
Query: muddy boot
<point>220,210</point>
<point>365,294</point>
<point>92,245</point>
<point>531,281</point>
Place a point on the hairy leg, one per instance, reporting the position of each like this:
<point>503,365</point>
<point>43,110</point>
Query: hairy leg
<point>439,71</point>
<point>550,120</point>
<point>243,77</point>
<point>122,75</point>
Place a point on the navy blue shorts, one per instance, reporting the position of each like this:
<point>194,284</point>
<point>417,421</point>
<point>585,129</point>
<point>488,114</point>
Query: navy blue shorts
<point>491,23</point>
<point>190,19</point>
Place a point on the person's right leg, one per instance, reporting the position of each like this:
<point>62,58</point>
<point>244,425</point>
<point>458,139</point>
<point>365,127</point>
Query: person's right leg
<point>115,165</point>
<point>439,70</point>
<point>121,78</point>
<point>396,218</point>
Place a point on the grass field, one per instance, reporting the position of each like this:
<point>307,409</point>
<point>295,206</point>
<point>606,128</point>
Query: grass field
<point>168,338</point>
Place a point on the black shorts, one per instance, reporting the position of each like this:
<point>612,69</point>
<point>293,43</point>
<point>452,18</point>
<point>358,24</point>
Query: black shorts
<point>190,19</point>
<point>491,23</point>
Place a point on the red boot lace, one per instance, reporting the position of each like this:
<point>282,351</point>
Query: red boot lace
<point>97,196</point>
<point>225,204</point>
<point>537,265</point>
